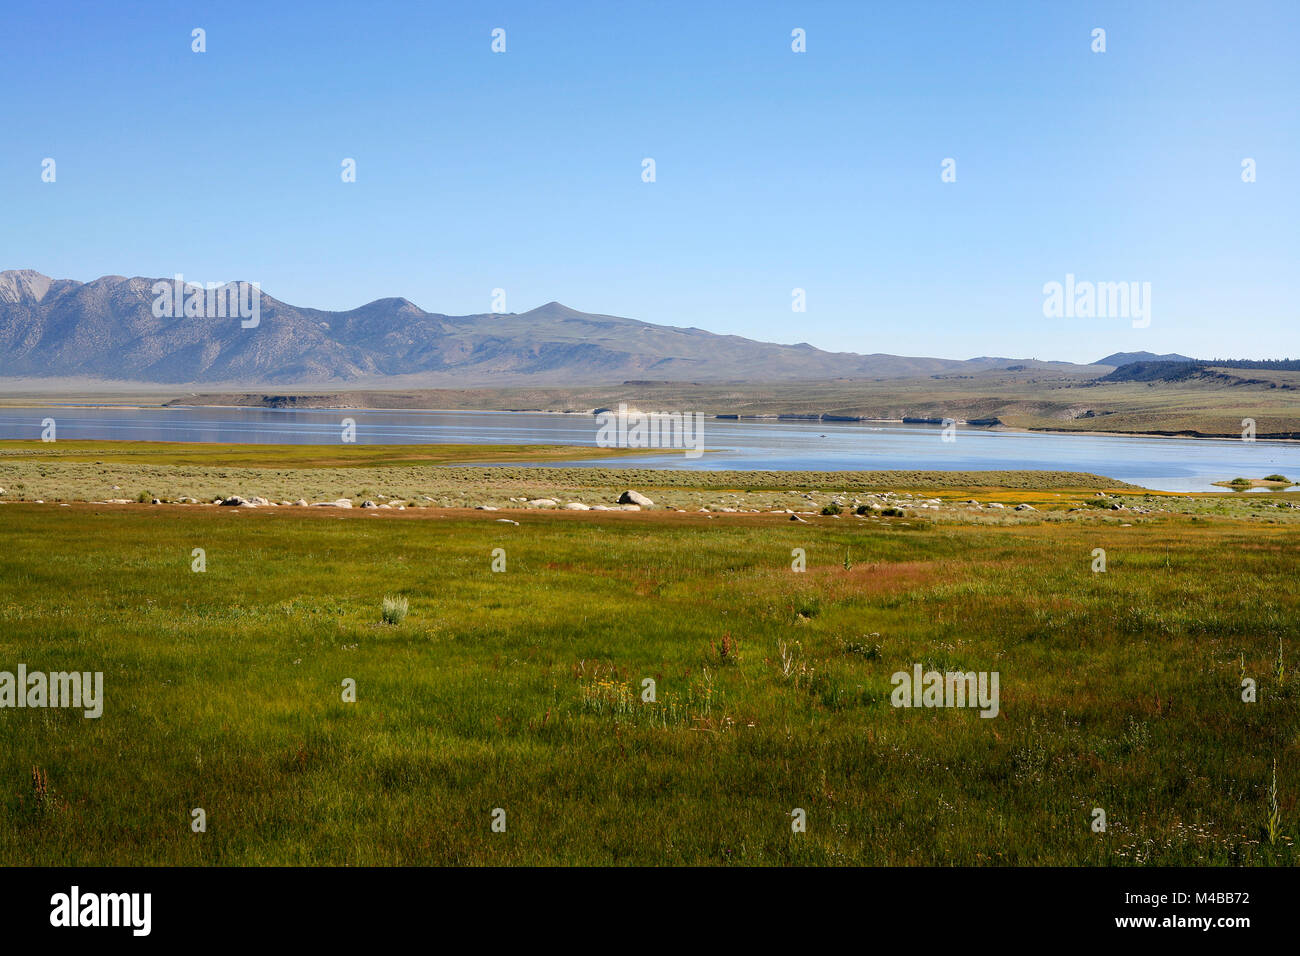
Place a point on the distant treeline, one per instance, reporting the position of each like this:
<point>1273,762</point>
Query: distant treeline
<point>1277,365</point>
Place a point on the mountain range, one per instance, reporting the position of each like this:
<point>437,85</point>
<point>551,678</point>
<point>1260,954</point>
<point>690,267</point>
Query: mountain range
<point>107,329</point>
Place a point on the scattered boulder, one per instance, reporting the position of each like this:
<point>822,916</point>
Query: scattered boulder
<point>543,503</point>
<point>629,507</point>
<point>369,504</point>
<point>631,497</point>
<point>996,504</point>
<point>486,508</point>
<point>797,518</point>
<point>1024,507</point>
<point>234,501</point>
<point>507,521</point>
<point>576,506</point>
<point>341,503</point>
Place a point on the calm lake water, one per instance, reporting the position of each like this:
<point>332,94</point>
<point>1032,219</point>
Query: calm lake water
<point>1168,464</point>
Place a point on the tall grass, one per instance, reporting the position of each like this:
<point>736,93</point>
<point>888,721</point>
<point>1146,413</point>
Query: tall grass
<point>394,610</point>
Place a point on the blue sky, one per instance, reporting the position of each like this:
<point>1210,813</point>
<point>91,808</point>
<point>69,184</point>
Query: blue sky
<point>775,170</point>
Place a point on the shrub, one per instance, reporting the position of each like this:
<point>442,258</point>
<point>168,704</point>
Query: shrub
<point>894,513</point>
<point>831,509</point>
<point>1278,478</point>
<point>394,609</point>
<point>728,650</point>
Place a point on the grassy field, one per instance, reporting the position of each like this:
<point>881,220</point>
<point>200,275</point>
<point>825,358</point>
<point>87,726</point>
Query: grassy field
<point>520,690</point>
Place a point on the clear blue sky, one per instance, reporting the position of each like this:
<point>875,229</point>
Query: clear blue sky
<point>775,170</point>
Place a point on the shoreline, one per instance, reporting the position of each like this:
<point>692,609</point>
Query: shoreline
<point>1188,434</point>
<point>156,466</point>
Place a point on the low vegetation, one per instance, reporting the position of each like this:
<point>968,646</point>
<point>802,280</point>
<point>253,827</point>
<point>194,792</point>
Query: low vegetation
<point>524,690</point>
<point>394,610</point>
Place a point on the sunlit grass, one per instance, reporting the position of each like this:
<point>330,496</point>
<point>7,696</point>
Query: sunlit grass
<point>525,690</point>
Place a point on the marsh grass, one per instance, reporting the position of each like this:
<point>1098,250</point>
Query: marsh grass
<point>522,690</point>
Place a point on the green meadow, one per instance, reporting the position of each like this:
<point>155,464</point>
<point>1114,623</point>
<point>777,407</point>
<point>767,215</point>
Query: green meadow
<point>522,689</point>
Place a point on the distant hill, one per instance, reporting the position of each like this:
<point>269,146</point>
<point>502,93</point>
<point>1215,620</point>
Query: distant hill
<point>1219,371</point>
<point>1128,358</point>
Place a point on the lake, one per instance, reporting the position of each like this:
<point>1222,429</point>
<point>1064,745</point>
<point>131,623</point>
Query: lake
<point>1167,464</point>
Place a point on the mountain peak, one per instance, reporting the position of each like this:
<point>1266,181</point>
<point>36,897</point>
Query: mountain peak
<point>398,303</point>
<point>18,284</point>
<point>555,309</point>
